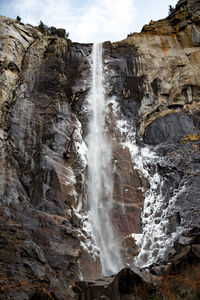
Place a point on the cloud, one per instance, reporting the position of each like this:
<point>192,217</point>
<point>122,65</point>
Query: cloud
<point>50,12</point>
<point>107,20</point>
<point>86,21</point>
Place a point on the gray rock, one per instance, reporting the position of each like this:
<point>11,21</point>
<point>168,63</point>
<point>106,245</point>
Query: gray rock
<point>170,128</point>
<point>196,36</point>
<point>185,240</point>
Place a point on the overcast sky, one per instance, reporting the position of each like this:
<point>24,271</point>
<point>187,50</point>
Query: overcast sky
<point>89,20</point>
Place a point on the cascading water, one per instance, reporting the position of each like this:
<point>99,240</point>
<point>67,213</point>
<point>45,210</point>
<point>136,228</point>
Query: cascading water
<point>156,242</point>
<point>100,185</point>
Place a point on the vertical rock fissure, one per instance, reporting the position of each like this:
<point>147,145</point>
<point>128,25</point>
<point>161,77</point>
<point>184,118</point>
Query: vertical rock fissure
<point>100,184</point>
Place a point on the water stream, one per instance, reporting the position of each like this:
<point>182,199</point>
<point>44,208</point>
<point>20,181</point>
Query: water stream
<point>100,184</point>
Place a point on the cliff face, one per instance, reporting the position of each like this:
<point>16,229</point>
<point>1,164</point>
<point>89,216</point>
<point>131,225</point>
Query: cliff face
<point>159,94</point>
<point>153,117</point>
<point>165,81</point>
<point>41,165</point>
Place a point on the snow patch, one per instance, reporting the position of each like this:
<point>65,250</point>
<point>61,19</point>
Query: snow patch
<point>80,145</point>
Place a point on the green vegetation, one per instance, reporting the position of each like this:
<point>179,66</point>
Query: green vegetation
<point>59,32</point>
<point>18,19</point>
<point>171,10</point>
<point>130,34</point>
<point>42,28</point>
<point>50,49</point>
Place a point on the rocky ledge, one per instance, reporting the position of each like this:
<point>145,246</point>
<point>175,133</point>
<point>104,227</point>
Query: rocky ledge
<point>180,279</point>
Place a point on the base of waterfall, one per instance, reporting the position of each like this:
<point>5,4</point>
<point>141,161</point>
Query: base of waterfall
<point>157,282</point>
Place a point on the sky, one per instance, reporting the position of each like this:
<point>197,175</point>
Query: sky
<point>89,20</point>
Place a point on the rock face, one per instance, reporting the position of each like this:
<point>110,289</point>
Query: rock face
<point>162,67</point>
<point>42,180</point>
<point>153,118</point>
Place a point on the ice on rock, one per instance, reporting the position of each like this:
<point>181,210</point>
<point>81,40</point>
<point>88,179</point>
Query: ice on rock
<point>155,243</point>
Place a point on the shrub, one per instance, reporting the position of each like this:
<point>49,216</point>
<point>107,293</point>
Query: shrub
<point>182,286</point>
<point>49,49</point>
<point>18,19</point>
<point>171,9</point>
<point>69,42</point>
<point>60,32</point>
<point>130,34</point>
<point>42,27</point>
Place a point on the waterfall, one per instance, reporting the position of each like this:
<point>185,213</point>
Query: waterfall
<point>100,184</point>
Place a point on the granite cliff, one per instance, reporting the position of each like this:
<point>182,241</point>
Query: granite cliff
<point>153,117</point>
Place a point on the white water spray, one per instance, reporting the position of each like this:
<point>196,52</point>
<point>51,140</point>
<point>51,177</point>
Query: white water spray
<point>100,185</point>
